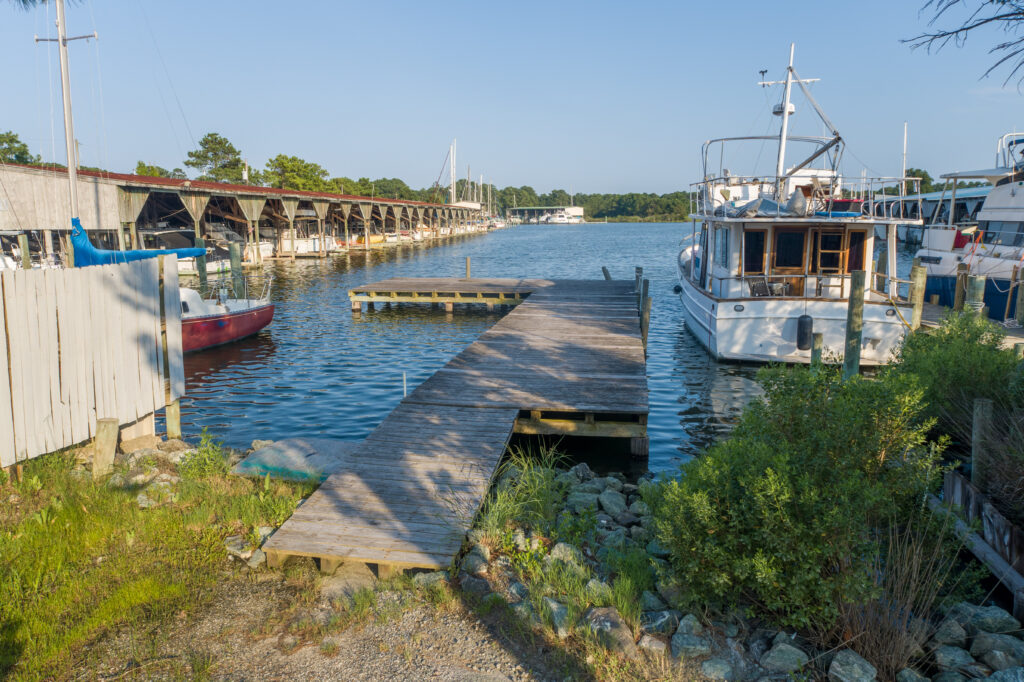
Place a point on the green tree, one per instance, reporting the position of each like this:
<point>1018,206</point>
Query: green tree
<point>152,171</point>
<point>13,150</point>
<point>928,184</point>
<point>291,172</point>
<point>217,160</point>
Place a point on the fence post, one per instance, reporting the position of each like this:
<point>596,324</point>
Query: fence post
<point>1020,297</point>
<point>817,342</point>
<point>854,325</point>
<point>104,446</point>
<point>172,413</point>
<point>918,278</point>
<point>980,428</point>
<point>237,278</point>
<point>607,275</point>
<point>201,264</point>
<point>961,287</point>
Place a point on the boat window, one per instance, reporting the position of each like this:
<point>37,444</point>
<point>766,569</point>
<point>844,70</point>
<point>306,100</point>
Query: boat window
<point>855,257</point>
<point>1005,233</point>
<point>827,254</point>
<point>722,246</point>
<point>184,307</point>
<point>753,252</point>
<point>789,249</point>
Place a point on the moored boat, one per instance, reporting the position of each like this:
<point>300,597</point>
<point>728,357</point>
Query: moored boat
<point>218,315</point>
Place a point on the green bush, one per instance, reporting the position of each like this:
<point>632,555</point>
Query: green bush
<point>783,514</point>
<point>961,360</point>
<point>209,459</point>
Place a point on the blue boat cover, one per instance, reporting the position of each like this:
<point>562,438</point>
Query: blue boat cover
<point>86,254</point>
<point>838,214</point>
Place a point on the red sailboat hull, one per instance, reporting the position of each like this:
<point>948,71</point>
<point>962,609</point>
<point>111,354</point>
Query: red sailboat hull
<point>214,330</point>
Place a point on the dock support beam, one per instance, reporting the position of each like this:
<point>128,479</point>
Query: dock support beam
<point>854,325</point>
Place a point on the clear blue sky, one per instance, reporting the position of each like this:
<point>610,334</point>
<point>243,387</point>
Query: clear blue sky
<point>596,96</point>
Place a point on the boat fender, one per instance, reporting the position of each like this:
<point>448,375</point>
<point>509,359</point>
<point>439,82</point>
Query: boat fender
<point>804,332</point>
<point>678,289</point>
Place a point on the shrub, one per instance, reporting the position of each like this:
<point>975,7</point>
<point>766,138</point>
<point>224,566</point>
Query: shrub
<point>783,513</point>
<point>209,459</point>
<point>960,361</point>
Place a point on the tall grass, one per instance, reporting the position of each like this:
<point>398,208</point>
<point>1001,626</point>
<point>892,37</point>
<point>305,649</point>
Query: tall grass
<point>526,493</point>
<point>79,558</point>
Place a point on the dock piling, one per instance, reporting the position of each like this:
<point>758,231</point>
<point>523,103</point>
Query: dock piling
<point>854,325</point>
<point>607,275</point>
<point>817,342</point>
<point>172,416</point>
<point>975,295</point>
<point>26,257</point>
<point>201,264</point>
<point>918,279</point>
<point>237,277</point>
<point>645,318</point>
<point>467,268</point>
<point>961,287</point>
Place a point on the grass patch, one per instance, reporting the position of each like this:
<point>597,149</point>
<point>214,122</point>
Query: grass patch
<point>79,559</point>
<point>527,492</point>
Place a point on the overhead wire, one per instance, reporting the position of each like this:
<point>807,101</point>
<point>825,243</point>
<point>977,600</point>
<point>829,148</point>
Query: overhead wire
<point>167,75</point>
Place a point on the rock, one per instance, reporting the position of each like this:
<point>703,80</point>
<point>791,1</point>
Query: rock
<point>173,445</point>
<point>260,444</point>
<point>141,443</point>
<point>142,455</point>
<point>525,611</point>
<point>783,658</point>
<point>951,657</point>
<point>475,536</point>
<point>690,625</point>
<point>472,585</point>
<point>629,489</point>
<point>950,632</point>
<point>566,553</point>
<point>627,519</point>
<point>651,602</point>
<point>611,630</point>
<point>612,502</point>
<point>1008,675</point>
<point>669,591</point>
<point>640,508</point>
<point>615,539</point>
<point>145,501</point>
<point>264,533</point>
<point>983,618</point>
<point>517,592</point>
<point>611,483</point>
<point>257,559</point>
<point>579,502</point>
<point>590,488</point>
<point>985,642</point>
<point>717,669</point>
<point>731,630</point>
<point>559,617</point>
<point>430,579</point>
<point>604,521</point>
<point>175,457</point>
<point>236,546</point>
<point>848,666</point>
<point>664,622</point>
<point>598,591</point>
<point>581,472</point>
<point>638,534</point>
<point>116,481</point>
<point>80,475</point>
<point>519,540</point>
<point>474,563</point>
<point>653,645</point>
<point>689,646</point>
<point>142,478</point>
<point>655,549</point>
<point>910,675</point>
<point>949,676</point>
<point>1000,660</point>
<point>168,479</point>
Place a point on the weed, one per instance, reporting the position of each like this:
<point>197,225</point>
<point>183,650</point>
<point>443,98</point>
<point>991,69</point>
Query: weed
<point>209,459</point>
<point>526,493</point>
<point>362,603</point>
<point>329,648</point>
<point>575,529</point>
<point>201,663</point>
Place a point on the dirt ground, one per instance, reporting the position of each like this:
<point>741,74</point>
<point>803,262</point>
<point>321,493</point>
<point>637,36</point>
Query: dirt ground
<point>244,632</point>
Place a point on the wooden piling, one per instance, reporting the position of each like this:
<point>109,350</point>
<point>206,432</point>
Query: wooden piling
<point>975,294</point>
<point>607,275</point>
<point>980,428</point>
<point>467,268</point>
<point>172,417</point>
<point>104,446</point>
<point>1018,350</point>
<point>1019,313</point>
<point>918,278</point>
<point>817,343</point>
<point>237,277</point>
<point>854,325</point>
<point>1009,294</point>
<point>201,264</point>
<point>934,299</point>
<point>26,256</point>
<point>645,320</point>
<point>961,287</point>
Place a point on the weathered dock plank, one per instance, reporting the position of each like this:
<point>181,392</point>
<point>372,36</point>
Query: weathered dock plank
<point>567,360</point>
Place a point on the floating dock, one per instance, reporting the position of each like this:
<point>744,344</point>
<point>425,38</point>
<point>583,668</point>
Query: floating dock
<point>567,360</point>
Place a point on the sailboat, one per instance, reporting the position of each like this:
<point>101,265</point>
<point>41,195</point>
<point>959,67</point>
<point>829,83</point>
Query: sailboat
<point>771,262</point>
<point>204,322</point>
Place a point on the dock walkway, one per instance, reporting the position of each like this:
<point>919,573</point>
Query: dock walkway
<point>568,360</point>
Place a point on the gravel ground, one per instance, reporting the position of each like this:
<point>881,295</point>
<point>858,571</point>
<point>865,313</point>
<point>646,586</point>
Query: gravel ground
<point>240,636</point>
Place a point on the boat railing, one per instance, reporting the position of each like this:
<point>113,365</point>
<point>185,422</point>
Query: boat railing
<point>828,286</point>
<point>825,195</point>
<point>220,288</point>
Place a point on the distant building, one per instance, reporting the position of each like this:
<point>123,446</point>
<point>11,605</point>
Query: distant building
<point>557,215</point>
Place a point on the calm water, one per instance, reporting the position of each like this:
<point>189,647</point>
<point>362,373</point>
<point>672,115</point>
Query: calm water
<point>318,371</point>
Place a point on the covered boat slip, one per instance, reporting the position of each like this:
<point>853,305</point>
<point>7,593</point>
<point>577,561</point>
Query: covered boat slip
<point>567,360</point>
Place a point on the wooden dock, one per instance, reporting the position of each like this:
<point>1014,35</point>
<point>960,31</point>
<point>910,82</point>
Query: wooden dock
<point>568,360</point>
<point>931,317</point>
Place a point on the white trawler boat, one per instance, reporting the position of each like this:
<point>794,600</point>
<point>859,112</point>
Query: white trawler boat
<point>993,246</point>
<point>771,259</point>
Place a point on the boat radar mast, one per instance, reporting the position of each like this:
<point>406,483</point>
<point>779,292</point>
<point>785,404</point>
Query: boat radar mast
<point>785,110</point>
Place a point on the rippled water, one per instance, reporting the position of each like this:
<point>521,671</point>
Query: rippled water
<point>318,371</point>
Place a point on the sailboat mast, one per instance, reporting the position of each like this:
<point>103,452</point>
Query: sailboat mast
<point>903,168</point>
<point>780,167</point>
<point>69,126</point>
<point>452,172</point>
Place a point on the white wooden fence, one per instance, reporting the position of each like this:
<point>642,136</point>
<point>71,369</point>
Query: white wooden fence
<point>84,344</point>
